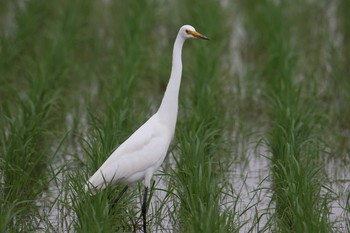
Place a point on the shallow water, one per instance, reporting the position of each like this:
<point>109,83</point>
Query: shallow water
<point>250,171</point>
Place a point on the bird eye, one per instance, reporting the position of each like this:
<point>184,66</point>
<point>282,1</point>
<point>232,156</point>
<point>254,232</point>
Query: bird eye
<point>187,31</point>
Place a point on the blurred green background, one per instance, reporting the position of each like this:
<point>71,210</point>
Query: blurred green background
<point>263,136</point>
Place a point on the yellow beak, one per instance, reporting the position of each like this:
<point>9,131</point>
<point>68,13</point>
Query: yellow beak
<point>197,35</point>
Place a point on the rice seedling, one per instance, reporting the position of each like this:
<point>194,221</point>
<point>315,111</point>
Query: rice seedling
<point>25,121</point>
<point>78,77</point>
<point>198,177</point>
<point>118,114</point>
<point>296,171</point>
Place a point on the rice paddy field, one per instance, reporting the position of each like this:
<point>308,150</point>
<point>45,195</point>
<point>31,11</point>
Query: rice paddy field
<point>262,142</point>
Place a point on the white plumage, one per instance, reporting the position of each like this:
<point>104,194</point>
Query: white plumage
<point>138,157</point>
<point>144,151</point>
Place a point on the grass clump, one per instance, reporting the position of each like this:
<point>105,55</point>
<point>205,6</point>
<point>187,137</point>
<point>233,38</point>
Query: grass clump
<point>297,175</point>
<point>199,176</point>
<point>35,59</point>
<point>113,114</point>
<point>78,77</point>
<point>26,120</point>
<point>198,181</point>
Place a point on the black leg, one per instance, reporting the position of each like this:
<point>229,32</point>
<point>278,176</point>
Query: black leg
<point>120,195</point>
<point>144,208</point>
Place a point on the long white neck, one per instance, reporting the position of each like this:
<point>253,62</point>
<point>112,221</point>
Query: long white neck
<point>169,106</point>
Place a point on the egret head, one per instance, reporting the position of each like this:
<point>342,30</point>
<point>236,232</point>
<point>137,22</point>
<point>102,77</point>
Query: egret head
<point>187,31</point>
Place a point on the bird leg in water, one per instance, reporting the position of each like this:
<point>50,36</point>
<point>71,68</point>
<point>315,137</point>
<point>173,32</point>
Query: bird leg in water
<point>144,208</point>
<point>120,195</point>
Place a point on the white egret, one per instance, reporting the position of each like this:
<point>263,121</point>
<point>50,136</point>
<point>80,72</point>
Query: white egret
<point>144,151</point>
